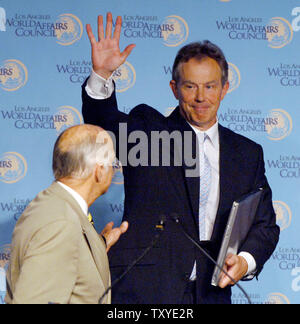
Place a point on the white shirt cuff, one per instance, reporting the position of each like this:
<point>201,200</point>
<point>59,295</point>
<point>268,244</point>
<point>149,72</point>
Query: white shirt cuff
<point>98,87</point>
<point>251,264</point>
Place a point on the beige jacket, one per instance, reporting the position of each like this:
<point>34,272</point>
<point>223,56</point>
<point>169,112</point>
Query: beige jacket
<point>57,256</point>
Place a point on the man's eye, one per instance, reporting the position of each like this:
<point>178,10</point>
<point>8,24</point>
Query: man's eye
<point>210,86</point>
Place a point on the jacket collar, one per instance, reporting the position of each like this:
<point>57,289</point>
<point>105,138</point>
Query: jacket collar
<point>229,159</point>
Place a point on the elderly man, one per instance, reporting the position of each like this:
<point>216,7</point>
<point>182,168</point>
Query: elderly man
<point>57,256</point>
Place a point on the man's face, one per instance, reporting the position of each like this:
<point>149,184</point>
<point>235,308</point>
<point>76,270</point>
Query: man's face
<point>107,176</point>
<point>105,171</point>
<point>199,91</point>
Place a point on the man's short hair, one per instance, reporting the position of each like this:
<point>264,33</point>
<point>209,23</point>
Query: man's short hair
<point>77,160</point>
<point>199,51</point>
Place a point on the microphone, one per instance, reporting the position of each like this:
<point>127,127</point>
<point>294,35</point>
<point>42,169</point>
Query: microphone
<point>177,221</point>
<point>160,227</point>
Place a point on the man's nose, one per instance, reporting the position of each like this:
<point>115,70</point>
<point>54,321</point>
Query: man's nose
<point>199,97</point>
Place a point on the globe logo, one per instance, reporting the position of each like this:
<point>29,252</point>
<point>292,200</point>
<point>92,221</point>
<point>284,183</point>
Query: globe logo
<point>234,77</point>
<point>282,127</point>
<point>284,33</point>
<point>71,31</point>
<point>13,75</point>
<point>66,117</point>
<point>4,260</point>
<point>2,285</point>
<point>13,167</point>
<point>277,298</point>
<point>124,77</point>
<point>283,214</point>
<point>175,31</point>
<point>4,256</point>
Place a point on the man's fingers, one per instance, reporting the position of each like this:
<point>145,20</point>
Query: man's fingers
<point>118,28</point>
<point>237,267</point>
<point>231,260</point>
<point>108,227</point>
<point>100,28</point>
<point>90,34</point>
<point>127,51</point>
<point>109,24</point>
<point>112,235</point>
<point>225,281</point>
<point>124,227</point>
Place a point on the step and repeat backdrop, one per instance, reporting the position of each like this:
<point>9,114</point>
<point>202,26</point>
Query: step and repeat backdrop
<point>45,57</point>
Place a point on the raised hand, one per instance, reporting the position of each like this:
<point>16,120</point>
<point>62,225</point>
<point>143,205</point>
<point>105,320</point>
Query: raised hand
<point>106,54</point>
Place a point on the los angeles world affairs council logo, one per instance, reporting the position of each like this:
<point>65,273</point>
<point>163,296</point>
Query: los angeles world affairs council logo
<point>13,167</point>
<point>13,75</point>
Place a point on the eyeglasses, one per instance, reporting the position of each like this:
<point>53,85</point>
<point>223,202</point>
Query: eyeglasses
<point>117,166</point>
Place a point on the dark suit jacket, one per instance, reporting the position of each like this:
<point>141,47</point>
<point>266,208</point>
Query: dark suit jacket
<point>151,191</point>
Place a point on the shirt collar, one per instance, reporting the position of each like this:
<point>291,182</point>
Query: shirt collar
<point>82,203</point>
<point>212,133</point>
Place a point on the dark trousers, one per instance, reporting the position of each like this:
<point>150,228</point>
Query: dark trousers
<point>189,296</point>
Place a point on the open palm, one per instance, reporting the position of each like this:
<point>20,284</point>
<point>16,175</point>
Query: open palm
<point>106,54</point>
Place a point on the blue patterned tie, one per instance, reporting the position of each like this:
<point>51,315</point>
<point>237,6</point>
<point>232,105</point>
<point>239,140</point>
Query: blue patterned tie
<point>205,182</point>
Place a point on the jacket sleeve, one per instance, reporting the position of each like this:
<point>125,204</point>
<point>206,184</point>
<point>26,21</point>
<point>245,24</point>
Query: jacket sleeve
<point>264,234</point>
<point>101,112</point>
<point>105,113</point>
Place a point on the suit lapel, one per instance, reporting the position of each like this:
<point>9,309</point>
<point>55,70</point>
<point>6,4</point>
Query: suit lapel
<point>229,161</point>
<point>95,243</point>
<point>191,183</point>
<point>97,248</point>
<point>228,166</point>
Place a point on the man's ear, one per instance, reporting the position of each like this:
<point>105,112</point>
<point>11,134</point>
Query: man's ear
<point>98,173</point>
<point>173,86</point>
<point>225,90</point>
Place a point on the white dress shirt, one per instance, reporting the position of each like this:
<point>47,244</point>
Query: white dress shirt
<point>211,150</point>
<point>100,88</point>
<point>81,202</point>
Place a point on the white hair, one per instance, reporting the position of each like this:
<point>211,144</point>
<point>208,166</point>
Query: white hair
<point>79,160</point>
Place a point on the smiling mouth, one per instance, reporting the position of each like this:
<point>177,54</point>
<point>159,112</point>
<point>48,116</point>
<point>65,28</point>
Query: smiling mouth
<point>200,108</point>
